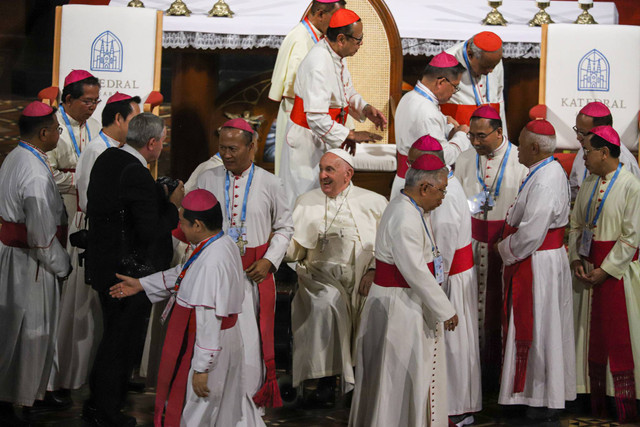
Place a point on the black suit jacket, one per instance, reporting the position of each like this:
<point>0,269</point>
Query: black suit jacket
<point>119,182</point>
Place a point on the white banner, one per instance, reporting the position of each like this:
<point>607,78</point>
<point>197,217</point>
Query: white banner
<point>117,45</point>
<point>588,63</point>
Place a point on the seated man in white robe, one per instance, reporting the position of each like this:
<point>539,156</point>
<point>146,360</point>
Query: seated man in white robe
<point>33,261</point>
<point>202,385</point>
<point>333,242</point>
<point>538,368</point>
<point>401,369</point>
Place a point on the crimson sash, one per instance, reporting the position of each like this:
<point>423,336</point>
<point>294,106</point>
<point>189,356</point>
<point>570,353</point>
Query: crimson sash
<point>299,117</point>
<point>388,275</point>
<point>610,339</point>
<point>518,282</point>
<point>462,260</point>
<point>14,234</point>
<point>403,166</point>
<point>462,113</point>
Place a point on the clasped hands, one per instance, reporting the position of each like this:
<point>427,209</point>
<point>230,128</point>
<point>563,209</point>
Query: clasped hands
<point>596,277</point>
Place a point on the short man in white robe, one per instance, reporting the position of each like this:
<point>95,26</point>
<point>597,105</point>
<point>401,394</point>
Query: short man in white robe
<point>258,218</point>
<point>203,386</point>
<point>33,260</point>
<point>595,114</point>
<point>324,95</point>
<point>80,322</point>
<point>401,368</point>
<point>483,80</point>
<point>538,368</point>
<point>490,176</point>
<point>335,229</point>
<point>292,51</point>
<point>603,250</point>
<point>419,114</point>
<point>79,99</point>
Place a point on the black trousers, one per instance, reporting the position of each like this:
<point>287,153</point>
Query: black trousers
<point>124,327</point>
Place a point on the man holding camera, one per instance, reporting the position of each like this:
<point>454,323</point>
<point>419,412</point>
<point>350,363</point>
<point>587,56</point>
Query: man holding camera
<point>130,223</point>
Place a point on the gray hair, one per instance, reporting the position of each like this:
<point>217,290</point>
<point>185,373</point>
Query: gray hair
<point>476,52</point>
<point>415,177</point>
<point>144,127</point>
<point>546,143</point>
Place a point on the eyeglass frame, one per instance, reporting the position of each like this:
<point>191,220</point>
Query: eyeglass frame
<point>59,128</point>
<point>444,192</point>
<point>456,88</point>
<point>478,137</point>
<point>588,150</point>
<point>358,40</point>
<point>89,102</point>
<point>579,132</point>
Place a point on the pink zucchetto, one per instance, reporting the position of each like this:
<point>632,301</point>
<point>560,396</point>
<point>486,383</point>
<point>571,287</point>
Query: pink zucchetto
<point>427,162</point>
<point>443,60</point>
<point>238,123</point>
<point>37,109</point>
<point>607,133</point>
<point>118,97</point>
<point>327,1</point>
<point>541,127</point>
<point>199,200</point>
<point>76,76</point>
<point>595,109</point>
<point>486,112</point>
<point>427,143</point>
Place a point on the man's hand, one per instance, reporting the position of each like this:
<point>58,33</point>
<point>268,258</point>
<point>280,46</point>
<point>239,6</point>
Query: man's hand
<point>452,121</point>
<point>200,384</point>
<point>450,325</point>
<point>494,248</point>
<point>597,277</point>
<point>177,195</point>
<point>376,117</point>
<point>129,286</point>
<point>459,128</point>
<point>358,136</point>
<point>366,282</point>
<point>578,270</point>
<point>259,270</point>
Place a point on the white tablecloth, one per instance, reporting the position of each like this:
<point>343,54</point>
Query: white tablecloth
<point>426,26</point>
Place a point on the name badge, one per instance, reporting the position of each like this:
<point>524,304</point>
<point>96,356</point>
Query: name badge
<point>481,202</point>
<point>585,243</point>
<point>438,269</point>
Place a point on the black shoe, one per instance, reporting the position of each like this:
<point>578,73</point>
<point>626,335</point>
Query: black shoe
<point>9,418</point>
<point>96,418</point>
<point>135,387</point>
<point>52,401</point>
<point>324,396</point>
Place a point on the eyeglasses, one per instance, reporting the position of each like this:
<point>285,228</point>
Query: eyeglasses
<point>480,136</point>
<point>579,132</point>
<point>89,102</point>
<point>58,128</point>
<point>456,88</point>
<point>444,192</point>
<point>358,40</point>
<point>588,150</point>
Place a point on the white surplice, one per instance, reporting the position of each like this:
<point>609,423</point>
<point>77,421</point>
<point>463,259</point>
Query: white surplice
<point>268,220</point>
<point>192,183</point>
<point>452,229</point>
<point>619,222</point>
<point>401,367</point>
<point>579,171</point>
<point>325,311</point>
<point>213,286</point>
<point>323,82</point>
<point>29,295</point>
<point>292,51</point>
<point>543,204</point>
<point>416,116</point>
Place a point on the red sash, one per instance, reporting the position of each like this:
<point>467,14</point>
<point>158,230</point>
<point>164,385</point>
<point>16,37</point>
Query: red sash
<point>299,117</point>
<point>518,282</point>
<point>269,393</point>
<point>173,374</point>
<point>403,166</point>
<point>14,234</point>
<point>388,275</point>
<point>609,339</point>
<point>462,260</point>
<point>462,113</point>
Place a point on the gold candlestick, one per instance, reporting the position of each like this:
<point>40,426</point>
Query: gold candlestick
<point>135,3</point>
<point>542,17</point>
<point>585,17</point>
<point>220,8</point>
<point>178,8</point>
<point>494,17</point>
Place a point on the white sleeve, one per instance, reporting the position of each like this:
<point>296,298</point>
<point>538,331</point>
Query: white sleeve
<point>282,225</point>
<point>207,347</point>
<point>159,286</point>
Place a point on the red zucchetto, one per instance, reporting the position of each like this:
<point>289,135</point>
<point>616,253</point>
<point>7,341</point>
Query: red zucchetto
<point>342,18</point>
<point>487,41</point>
<point>541,127</point>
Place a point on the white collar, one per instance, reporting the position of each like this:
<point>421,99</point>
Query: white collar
<point>135,153</point>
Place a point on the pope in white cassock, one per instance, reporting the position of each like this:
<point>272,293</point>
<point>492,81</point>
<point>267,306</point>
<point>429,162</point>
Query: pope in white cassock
<point>490,175</point>
<point>401,368</point>
<point>202,385</point>
<point>292,51</point>
<point>591,115</point>
<point>33,260</point>
<point>419,114</point>
<point>483,79</point>
<point>80,312</point>
<point>324,95</point>
<point>79,99</point>
<point>335,229</point>
<point>603,249</point>
<point>538,368</point>
<point>258,218</point>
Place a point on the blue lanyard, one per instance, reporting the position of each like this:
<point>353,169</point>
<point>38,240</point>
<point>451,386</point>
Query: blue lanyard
<point>105,139</point>
<point>227,183</point>
<point>70,130</point>
<point>475,90</point>
<point>450,174</point>
<point>35,153</point>
<point>500,174</point>
<point>544,163</point>
<point>194,256</point>
<point>586,171</point>
<point>217,155</point>
<point>434,248</point>
<point>425,94</point>
<point>606,193</point>
<point>306,24</point>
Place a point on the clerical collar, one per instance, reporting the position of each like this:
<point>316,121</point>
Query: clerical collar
<point>426,90</point>
<point>336,58</point>
<point>113,141</point>
<point>498,150</point>
<point>42,153</point>
<point>73,121</point>
<point>413,202</point>
<point>243,174</point>
<point>135,153</point>
<point>608,176</point>
<point>533,166</point>
<point>343,193</point>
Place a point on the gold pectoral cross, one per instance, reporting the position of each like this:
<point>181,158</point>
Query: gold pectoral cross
<point>242,244</point>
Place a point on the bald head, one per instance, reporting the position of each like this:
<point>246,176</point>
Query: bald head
<point>335,174</point>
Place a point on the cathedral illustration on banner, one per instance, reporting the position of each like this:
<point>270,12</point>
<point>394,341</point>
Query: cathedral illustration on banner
<point>593,72</point>
<point>106,53</point>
